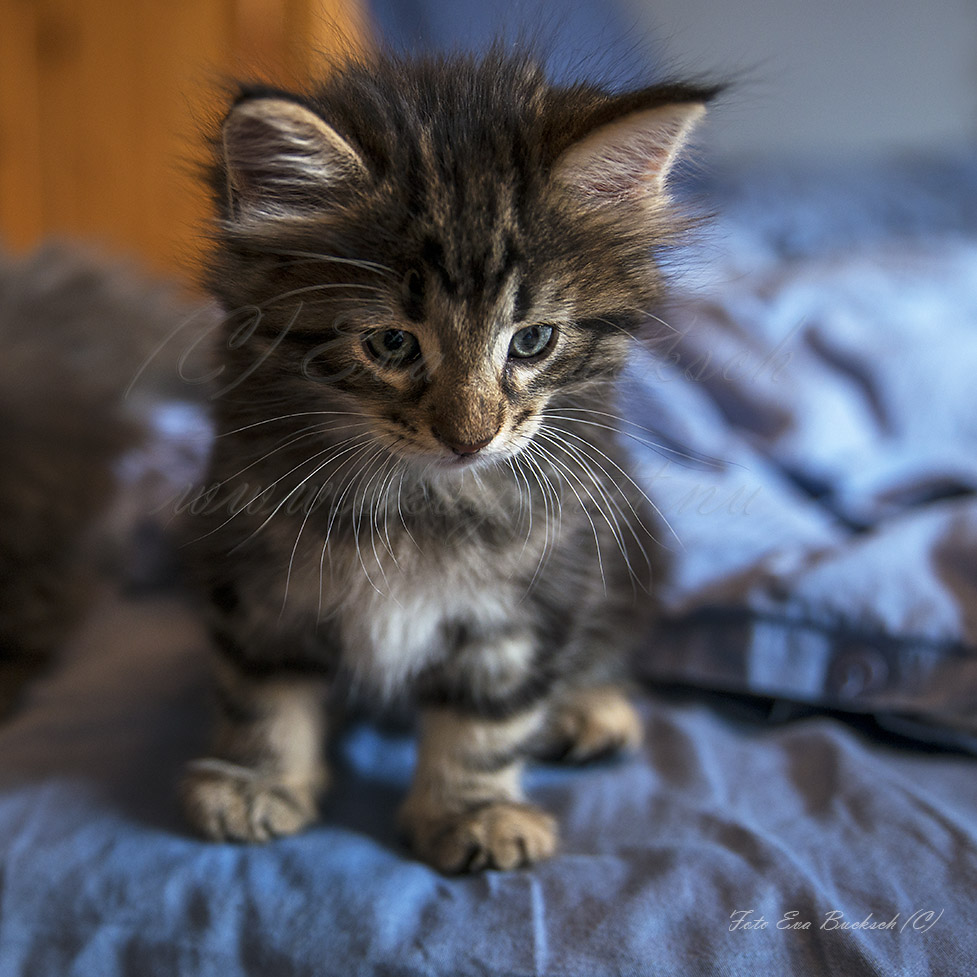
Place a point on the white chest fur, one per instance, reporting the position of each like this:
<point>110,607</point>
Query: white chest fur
<point>394,617</point>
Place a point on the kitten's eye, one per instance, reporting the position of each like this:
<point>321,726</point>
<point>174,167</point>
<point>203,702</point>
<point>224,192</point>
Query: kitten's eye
<point>393,347</point>
<point>531,341</point>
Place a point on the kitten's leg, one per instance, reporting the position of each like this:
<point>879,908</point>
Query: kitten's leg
<point>267,768</point>
<point>465,810</point>
<point>590,723</point>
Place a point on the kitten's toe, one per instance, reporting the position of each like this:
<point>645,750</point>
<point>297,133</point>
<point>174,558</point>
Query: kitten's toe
<point>225,802</point>
<point>591,724</point>
<point>500,835</point>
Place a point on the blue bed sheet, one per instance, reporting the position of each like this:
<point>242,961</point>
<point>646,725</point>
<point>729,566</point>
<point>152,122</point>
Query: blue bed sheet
<point>670,861</point>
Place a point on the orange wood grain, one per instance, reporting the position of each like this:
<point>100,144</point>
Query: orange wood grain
<point>21,220</point>
<point>103,104</point>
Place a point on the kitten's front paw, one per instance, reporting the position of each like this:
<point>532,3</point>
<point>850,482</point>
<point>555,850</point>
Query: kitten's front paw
<point>591,724</point>
<point>226,802</point>
<point>501,835</point>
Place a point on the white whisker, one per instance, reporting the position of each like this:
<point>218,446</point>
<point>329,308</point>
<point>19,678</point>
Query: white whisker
<point>313,256</point>
<point>384,498</point>
<point>400,511</point>
<point>302,435</point>
<point>334,512</point>
<point>288,417</point>
<point>627,475</point>
<point>715,463</point>
<point>548,456</point>
<point>278,507</point>
<point>613,513</point>
<point>357,519</point>
<point>320,287</point>
<point>552,510</point>
<point>374,529</point>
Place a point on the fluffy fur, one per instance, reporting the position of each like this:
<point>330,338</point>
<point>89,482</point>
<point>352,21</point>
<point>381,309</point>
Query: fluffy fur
<point>432,271</point>
<point>74,332</point>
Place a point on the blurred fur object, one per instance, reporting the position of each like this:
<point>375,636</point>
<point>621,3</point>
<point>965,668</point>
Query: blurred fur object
<point>74,333</point>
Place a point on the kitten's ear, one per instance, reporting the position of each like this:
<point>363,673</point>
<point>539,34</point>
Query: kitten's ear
<point>630,157</point>
<point>282,159</point>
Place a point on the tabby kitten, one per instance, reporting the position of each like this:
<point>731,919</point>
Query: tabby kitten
<point>431,270</point>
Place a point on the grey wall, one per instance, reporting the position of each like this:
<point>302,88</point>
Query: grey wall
<point>827,77</point>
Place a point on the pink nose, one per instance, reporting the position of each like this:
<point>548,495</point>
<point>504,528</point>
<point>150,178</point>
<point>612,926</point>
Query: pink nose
<point>460,448</point>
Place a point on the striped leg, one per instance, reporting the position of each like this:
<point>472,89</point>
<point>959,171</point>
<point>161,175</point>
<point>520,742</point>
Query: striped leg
<point>267,769</point>
<point>590,723</point>
<point>465,810</point>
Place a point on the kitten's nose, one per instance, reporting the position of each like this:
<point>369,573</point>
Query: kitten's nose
<point>461,448</point>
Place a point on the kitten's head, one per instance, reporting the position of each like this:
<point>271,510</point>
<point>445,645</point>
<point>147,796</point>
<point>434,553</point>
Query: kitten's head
<point>444,246</point>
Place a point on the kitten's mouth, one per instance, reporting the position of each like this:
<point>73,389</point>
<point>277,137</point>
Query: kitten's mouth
<point>455,462</point>
<point>463,461</point>
<point>445,459</point>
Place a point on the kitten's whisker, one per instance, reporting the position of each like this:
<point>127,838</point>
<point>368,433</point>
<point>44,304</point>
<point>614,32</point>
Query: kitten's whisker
<point>614,511</point>
<point>400,511</point>
<point>659,320</point>
<point>716,464</point>
<point>311,303</point>
<point>543,555</point>
<point>549,456</point>
<point>617,326</point>
<point>556,435</point>
<point>577,456</point>
<point>356,526</point>
<point>308,514</point>
<point>384,497</point>
<point>298,537</point>
<point>314,256</point>
<point>588,444</point>
<point>552,510</point>
<point>353,479</point>
<point>288,417</point>
<point>304,434</point>
<point>242,508</point>
<point>319,287</point>
<point>374,528</point>
<point>589,487</point>
<point>318,454</point>
<point>555,500</point>
<point>334,512</point>
<point>347,446</point>
<point>524,498</point>
<point>278,507</point>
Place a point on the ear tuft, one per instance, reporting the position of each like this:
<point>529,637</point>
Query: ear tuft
<point>282,159</point>
<point>630,157</point>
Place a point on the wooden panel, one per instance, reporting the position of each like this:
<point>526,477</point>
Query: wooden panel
<point>103,104</point>
<point>21,221</point>
<point>85,76</point>
<point>332,29</point>
<point>189,52</point>
<point>289,41</point>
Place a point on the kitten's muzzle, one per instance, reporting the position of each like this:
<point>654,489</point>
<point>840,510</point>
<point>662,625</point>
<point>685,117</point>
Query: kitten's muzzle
<point>463,448</point>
